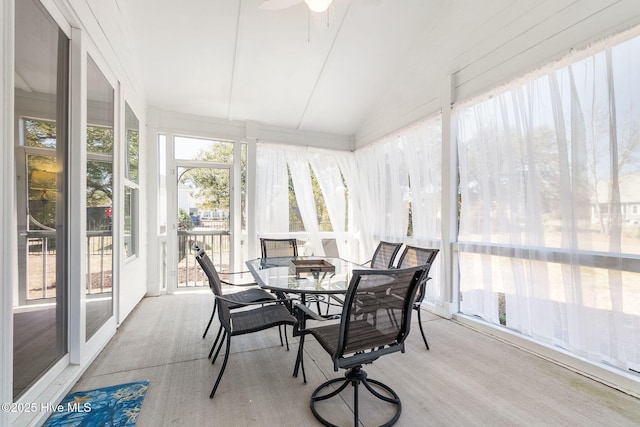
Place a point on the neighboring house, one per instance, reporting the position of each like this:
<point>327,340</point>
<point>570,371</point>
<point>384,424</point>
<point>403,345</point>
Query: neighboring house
<point>629,199</point>
<point>185,201</point>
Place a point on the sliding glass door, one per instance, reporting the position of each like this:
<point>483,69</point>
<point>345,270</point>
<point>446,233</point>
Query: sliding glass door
<point>41,107</point>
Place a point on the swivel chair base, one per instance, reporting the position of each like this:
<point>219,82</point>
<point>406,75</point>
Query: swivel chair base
<point>356,376</point>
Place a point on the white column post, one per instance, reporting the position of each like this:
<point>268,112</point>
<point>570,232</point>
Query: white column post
<point>449,203</point>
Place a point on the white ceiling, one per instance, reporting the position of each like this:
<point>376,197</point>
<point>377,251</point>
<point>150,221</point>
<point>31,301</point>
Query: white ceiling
<point>230,59</point>
<point>339,73</point>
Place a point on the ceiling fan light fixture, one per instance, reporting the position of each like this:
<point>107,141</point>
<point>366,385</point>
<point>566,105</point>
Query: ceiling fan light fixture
<point>318,5</point>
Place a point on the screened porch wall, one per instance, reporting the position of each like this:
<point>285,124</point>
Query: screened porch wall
<point>535,161</point>
<point>548,245</point>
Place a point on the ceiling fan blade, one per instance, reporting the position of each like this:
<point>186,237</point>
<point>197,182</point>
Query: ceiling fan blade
<point>278,4</point>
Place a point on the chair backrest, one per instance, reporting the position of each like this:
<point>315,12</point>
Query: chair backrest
<point>224,314</point>
<point>376,314</point>
<point>272,248</point>
<point>384,255</point>
<point>209,269</point>
<point>413,256</point>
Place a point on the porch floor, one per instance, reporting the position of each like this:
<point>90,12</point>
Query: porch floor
<point>467,378</point>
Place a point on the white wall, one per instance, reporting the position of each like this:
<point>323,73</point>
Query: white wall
<point>190,125</point>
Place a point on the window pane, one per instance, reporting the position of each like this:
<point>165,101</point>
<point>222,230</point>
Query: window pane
<point>99,138</point>
<point>162,184</point>
<point>130,221</point>
<point>39,133</point>
<point>99,198</point>
<point>243,186</point>
<point>132,147</point>
<point>203,149</point>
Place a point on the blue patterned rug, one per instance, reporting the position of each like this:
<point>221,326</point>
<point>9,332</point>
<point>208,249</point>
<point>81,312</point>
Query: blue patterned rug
<point>115,406</point>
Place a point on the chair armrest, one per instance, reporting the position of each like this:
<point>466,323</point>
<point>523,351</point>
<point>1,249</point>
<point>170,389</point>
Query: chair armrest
<point>245,284</point>
<point>249,304</point>
<point>231,273</point>
<point>303,310</point>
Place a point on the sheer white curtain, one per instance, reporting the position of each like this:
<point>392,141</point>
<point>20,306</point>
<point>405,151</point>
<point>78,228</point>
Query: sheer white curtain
<point>421,147</point>
<point>549,174</point>
<point>326,168</point>
<point>272,189</point>
<point>274,164</point>
<point>362,242</point>
<point>384,189</point>
<point>298,162</point>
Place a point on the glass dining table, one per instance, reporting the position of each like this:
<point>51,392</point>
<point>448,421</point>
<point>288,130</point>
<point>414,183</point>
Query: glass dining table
<point>303,276</point>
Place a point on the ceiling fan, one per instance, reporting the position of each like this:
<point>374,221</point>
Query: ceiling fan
<point>314,5</point>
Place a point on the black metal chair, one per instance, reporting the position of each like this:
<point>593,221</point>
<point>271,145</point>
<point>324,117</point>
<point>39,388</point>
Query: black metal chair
<point>241,298</point>
<point>384,255</point>
<point>272,248</point>
<point>383,258</point>
<point>413,256</point>
<point>234,300</point>
<point>361,337</point>
<point>265,315</point>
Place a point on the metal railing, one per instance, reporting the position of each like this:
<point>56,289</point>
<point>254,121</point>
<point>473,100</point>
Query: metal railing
<point>216,243</point>
<point>99,261</point>
<point>40,272</point>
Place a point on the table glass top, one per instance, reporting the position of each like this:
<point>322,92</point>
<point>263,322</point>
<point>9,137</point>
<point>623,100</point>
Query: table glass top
<point>280,274</point>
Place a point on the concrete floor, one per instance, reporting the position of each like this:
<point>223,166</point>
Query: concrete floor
<point>466,379</point>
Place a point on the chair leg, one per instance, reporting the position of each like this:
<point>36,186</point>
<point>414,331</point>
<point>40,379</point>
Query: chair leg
<point>215,342</point>
<point>220,347</point>
<point>286,338</point>
<point>424,338</point>
<point>224,365</point>
<point>215,304</point>
<point>356,376</point>
<point>300,359</point>
<point>356,417</point>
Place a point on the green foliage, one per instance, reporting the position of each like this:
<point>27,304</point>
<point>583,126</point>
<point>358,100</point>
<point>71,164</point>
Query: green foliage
<point>132,126</point>
<point>40,133</point>
<point>99,139</point>
<point>184,220</point>
<point>212,185</point>
<point>99,183</point>
<point>295,220</point>
<point>99,173</point>
<point>133,154</point>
